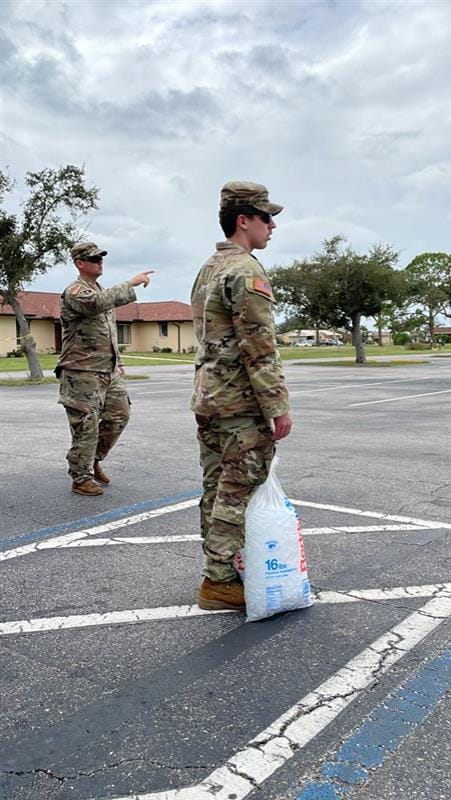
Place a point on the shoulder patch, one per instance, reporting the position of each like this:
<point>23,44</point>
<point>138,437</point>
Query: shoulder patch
<point>262,287</point>
<point>75,289</point>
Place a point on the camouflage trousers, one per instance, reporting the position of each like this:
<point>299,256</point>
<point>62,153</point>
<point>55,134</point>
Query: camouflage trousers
<point>98,410</point>
<point>235,455</point>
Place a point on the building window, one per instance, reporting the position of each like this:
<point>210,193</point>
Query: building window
<point>123,333</point>
<point>163,327</point>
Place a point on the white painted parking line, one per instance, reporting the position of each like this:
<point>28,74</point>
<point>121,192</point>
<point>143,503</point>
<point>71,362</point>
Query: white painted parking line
<point>75,536</point>
<point>275,745</point>
<point>165,391</point>
<point>194,537</point>
<point>395,399</point>
<point>367,385</point>
<point>125,522</point>
<point>135,615</point>
<point>424,523</point>
<point>185,537</point>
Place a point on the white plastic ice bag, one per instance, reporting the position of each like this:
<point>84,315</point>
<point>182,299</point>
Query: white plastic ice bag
<point>272,563</point>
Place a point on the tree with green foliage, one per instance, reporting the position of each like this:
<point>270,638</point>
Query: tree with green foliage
<point>394,312</point>
<point>338,286</point>
<point>292,323</point>
<point>38,238</point>
<point>428,277</point>
<point>296,291</point>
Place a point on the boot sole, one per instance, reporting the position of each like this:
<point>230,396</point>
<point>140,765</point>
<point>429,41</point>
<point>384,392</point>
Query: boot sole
<point>218,605</point>
<point>87,494</point>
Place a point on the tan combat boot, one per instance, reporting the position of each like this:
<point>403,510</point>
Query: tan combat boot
<point>215,595</point>
<point>99,474</point>
<point>87,487</point>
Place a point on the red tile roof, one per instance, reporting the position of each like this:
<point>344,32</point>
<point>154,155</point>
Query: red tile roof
<point>46,305</point>
<point>40,305</point>
<point>171,311</point>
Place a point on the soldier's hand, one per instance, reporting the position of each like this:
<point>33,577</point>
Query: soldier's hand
<point>282,426</point>
<point>141,278</point>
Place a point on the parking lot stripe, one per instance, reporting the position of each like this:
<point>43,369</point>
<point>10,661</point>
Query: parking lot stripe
<point>277,743</point>
<point>368,385</point>
<point>165,391</point>
<point>394,399</point>
<point>381,734</point>
<point>124,522</point>
<point>104,516</point>
<point>194,537</point>
<point>424,523</point>
<point>156,510</point>
<point>135,615</point>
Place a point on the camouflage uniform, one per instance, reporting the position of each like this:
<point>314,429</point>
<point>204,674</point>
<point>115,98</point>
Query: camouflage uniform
<point>92,390</point>
<point>238,388</point>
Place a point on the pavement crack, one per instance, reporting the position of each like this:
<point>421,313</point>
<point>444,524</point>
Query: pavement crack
<point>38,771</point>
<point>439,590</point>
<point>235,771</point>
<point>48,773</point>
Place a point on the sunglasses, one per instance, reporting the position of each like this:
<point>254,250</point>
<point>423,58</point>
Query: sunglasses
<point>266,218</point>
<point>93,259</point>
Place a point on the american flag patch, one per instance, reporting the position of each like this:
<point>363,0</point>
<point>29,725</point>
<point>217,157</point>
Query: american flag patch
<point>262,286</point>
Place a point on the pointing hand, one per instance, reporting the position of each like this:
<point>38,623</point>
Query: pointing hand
<point>141,278</point>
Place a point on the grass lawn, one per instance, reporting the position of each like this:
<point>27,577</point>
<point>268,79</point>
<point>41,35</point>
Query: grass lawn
<point>47,379</point>
<point>287,354</point>
<point>140,359</point>
<point>21,364</point>
<point>347,351</point>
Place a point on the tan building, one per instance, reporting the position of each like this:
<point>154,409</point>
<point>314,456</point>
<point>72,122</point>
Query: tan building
<point>140,326</point>
<point>295,337</point>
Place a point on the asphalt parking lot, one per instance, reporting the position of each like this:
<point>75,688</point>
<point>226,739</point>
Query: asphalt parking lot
<point>116,686</point>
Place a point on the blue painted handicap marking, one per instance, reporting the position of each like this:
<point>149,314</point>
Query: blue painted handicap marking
<point>384,730</point>
<point>356,751</point>
<point>315,791</point>
<point>345,772</point>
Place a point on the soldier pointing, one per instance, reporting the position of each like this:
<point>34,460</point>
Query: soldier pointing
<point>92,384</point>
<point>240,399</point>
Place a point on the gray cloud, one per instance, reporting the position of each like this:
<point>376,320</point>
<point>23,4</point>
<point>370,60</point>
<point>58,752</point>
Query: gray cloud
<point>340,108</point>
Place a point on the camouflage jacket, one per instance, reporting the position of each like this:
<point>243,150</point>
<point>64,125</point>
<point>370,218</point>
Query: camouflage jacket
<point>238,370</point>
<point>89,326</point>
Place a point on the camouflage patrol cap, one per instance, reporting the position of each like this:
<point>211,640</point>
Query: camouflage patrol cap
<point>86,249</point>
<point>236,194</point>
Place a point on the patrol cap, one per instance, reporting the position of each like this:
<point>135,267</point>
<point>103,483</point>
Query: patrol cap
<point>243,193</point>
<point>86,249</point>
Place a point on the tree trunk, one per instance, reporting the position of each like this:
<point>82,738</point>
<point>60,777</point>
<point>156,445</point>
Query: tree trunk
<point>431,328</point>
<point>317,335</point>
<point>27,343</point>
<point>360,357</point>
<point>379,330</point>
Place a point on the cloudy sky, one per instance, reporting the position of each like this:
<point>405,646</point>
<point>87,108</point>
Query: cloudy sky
<point>342,108</point>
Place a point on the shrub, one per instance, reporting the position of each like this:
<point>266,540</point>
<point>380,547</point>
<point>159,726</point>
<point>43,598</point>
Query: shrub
<point>122,348</point>
<point>166,349</point>
<point>15,353</point>
<point>401,338</point>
